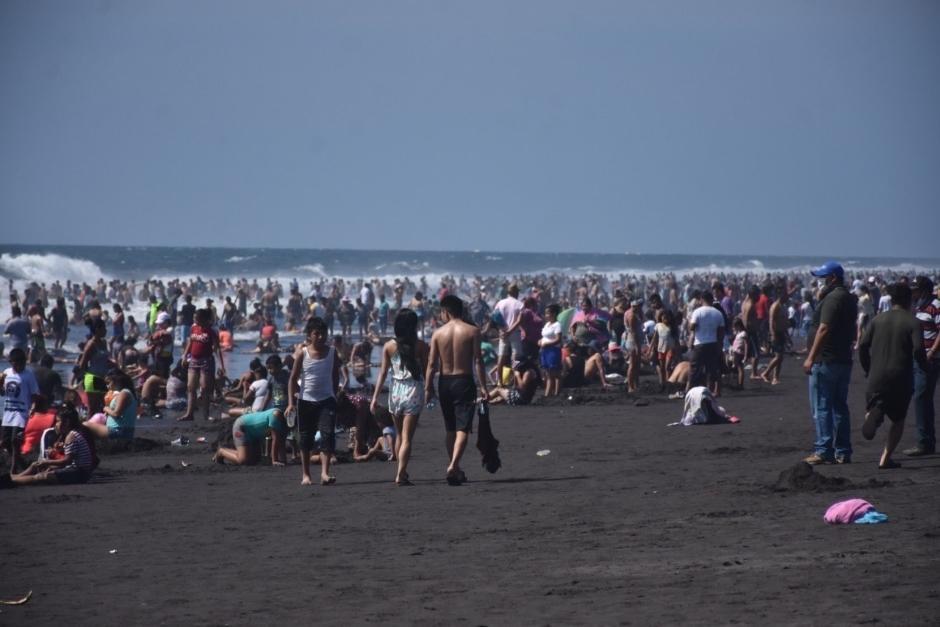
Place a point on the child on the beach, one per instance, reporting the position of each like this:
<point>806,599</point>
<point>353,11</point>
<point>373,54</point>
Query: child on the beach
<point>314,383</point>
<point>665,344</point>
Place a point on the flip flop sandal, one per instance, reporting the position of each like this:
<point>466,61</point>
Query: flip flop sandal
<point>890,465</point>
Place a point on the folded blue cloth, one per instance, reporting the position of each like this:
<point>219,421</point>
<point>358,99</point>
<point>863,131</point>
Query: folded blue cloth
<point>871,517</point>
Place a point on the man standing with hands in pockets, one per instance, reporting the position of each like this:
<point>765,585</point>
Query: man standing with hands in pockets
<point>456,346</point>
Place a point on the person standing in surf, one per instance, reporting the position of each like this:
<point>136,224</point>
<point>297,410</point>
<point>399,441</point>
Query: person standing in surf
<point>456,347</point>
<point>316,369</point>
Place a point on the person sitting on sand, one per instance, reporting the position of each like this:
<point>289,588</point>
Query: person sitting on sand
<point>42,418</point>
<point>249,433</point>
<point>581,366</point>
<point>371,432</point>
<point>239,387</point>
<point>78,459</point>
<point>526,378</point>
<point>157,394</point>
<point>256,396</point>
<point>119,418</point>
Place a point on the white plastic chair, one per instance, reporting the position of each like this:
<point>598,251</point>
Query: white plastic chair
<point>46,441</point>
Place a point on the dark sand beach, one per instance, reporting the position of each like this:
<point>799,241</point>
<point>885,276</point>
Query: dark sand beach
<point>626,521</point>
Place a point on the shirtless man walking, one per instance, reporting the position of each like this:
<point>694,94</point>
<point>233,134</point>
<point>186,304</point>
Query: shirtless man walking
<point>456,346</point>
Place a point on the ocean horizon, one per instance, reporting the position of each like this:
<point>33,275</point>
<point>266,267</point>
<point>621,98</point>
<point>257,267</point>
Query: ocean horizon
<point>88,263</point>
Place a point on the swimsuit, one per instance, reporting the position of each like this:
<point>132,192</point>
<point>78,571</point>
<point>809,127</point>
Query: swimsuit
<point>458,401</point>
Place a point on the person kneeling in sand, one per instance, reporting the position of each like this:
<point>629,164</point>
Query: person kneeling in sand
<point>249,433</point>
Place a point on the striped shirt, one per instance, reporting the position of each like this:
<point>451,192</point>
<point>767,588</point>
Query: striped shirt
<point>77,447</point>
<point>928,315</point>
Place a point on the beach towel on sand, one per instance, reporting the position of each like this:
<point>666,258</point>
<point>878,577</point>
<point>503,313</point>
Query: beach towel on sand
<point>857,511</point>
<point>701,408</point>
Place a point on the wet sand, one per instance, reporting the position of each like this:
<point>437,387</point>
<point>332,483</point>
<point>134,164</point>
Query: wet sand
<point>626,521</point>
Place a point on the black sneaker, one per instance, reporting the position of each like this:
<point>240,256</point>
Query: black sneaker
<point>918,451</point>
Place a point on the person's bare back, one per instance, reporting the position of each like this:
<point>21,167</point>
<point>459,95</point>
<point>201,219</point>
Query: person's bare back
<point>456,344</point>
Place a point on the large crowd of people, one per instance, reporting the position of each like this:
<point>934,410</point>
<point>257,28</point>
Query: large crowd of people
<point>462,343</point>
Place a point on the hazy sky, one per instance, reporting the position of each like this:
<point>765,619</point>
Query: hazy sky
<point>703,126</point>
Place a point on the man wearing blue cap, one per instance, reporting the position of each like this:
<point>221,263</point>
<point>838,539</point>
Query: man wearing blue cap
<point>829,366</point>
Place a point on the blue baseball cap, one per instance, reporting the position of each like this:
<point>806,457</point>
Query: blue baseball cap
<point>827,269</point>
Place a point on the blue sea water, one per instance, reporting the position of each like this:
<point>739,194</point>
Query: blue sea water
<point>89,263</point>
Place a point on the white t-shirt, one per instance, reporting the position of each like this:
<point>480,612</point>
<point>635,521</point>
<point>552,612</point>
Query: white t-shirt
<point>366,296</point>
<point>510,309</point>
<point>18,390</point>
<point>551,331</point>
<point>260,388</point>
<point>884,304</point>
<point>707,320</point>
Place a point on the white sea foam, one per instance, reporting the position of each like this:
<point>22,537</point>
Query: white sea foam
<point>237,259</point>
<point>49,267</point>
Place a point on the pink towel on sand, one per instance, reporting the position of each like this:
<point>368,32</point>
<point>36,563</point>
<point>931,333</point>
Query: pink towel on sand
<point>845,512</point>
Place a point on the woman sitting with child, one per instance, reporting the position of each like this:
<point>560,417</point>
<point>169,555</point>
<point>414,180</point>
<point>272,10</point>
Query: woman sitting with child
<point>76,459</point>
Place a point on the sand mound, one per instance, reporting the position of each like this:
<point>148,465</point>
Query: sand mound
<point>802,477</point>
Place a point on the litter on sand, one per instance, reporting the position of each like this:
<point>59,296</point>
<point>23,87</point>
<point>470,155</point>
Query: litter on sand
<point>180,441</point>
<point>17,601</point>
<point>184,464</point>
<point>112,551</point>
<point>543,452</point>
<point>201,439</point>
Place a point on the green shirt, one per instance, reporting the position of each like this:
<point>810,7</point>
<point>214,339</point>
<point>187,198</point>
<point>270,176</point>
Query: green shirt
<point>255,425</point>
